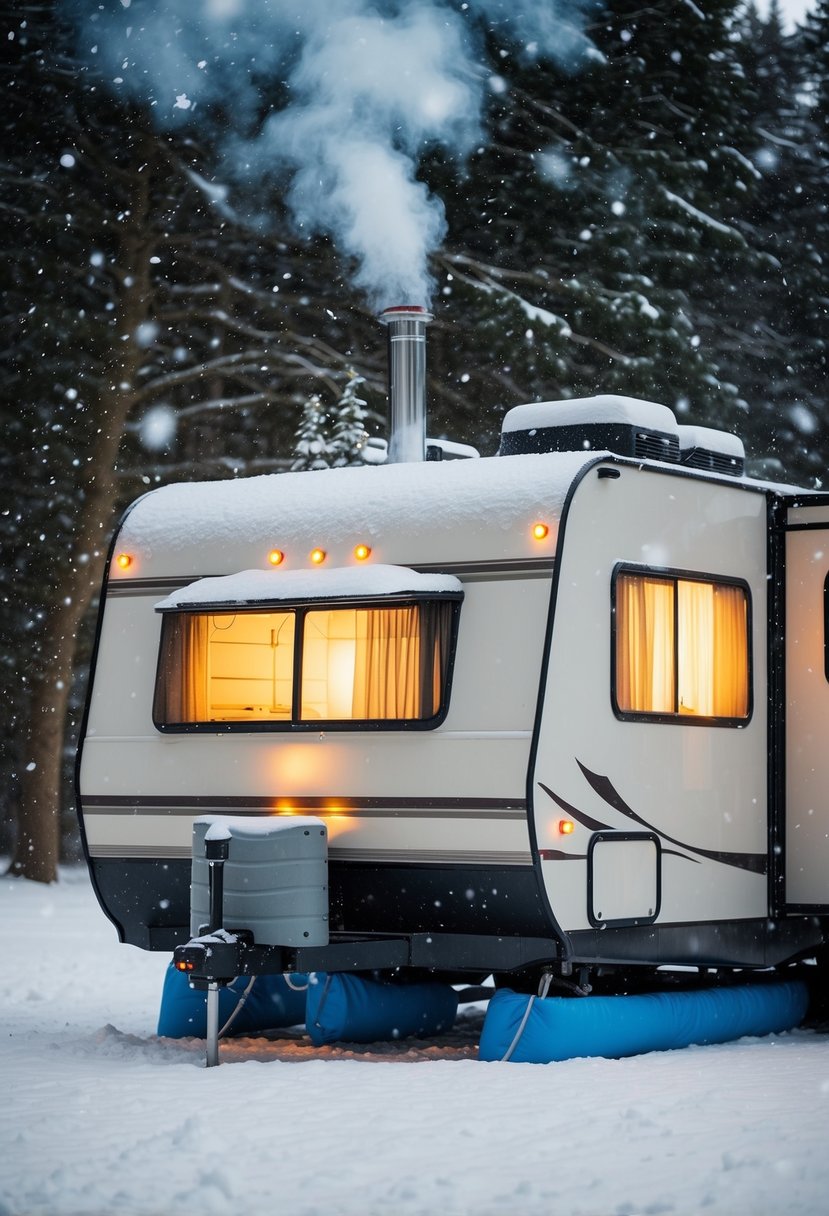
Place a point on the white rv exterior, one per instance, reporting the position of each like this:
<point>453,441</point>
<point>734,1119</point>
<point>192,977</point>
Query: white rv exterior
<point>537,806</point>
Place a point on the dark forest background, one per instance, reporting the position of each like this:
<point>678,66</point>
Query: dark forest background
<point>654,225</point>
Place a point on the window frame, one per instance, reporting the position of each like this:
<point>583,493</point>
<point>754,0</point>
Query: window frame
<point>301,608</point>
<point>674,575</point>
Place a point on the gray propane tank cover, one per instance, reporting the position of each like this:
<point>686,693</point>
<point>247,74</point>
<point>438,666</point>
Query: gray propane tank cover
<point>275,878</point>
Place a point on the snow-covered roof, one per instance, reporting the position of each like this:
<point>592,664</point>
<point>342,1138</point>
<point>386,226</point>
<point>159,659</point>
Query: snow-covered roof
<point>581,411</point>
<point>479,508</point>
<point>348,582</point>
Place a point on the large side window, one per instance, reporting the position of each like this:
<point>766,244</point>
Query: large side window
<point>305,666</point>
<point>681,647</point>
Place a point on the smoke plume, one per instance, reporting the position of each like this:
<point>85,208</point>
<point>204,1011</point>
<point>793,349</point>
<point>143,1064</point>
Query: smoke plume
<point>369,86</point>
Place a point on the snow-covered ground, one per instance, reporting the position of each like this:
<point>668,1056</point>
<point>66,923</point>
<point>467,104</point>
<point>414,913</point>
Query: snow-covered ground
<point>98,1116</point>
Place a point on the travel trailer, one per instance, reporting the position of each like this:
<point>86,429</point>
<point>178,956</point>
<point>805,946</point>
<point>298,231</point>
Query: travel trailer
<point>562,707</point>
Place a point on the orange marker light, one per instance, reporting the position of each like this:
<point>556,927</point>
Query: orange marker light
<point>361,552</point>
<point>317,556</point>
<point>540,531</point>
<point>276,557</point>
<point>566,826</point>
<point>124,560</point>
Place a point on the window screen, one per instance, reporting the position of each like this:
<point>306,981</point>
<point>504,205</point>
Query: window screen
<point>681,647</point>
<point>305,665</point>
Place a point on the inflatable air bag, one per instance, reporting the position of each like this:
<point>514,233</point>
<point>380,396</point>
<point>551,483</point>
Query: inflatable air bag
<point>561,1028</point>
<point>348,1008</point>
<point>270,1005</point>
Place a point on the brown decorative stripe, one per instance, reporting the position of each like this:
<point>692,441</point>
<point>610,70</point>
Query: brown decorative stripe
<point>511,567</point>
<point>533,567</point>
<point>454,857</point>
<point>149,586</point>
<point>502,808</point>
<point>472,857</point>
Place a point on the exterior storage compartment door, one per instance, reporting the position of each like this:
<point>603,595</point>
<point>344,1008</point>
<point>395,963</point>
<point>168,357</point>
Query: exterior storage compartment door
<point>624,878</point>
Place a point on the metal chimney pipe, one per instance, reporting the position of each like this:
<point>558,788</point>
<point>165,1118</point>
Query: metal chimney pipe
<point>407,382</point>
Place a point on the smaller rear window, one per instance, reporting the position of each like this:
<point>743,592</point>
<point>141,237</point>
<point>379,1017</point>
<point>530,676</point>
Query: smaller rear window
<point>681,648</point>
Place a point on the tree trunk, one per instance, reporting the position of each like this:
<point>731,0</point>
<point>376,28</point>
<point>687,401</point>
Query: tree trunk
<point>78,575</point>
<point>38,832</point>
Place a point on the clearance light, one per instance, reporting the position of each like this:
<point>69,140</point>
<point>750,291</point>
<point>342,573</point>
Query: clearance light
<point>182,966</point>
<point>317,556</point>
<point>540,531</point>
<point>361,552</point>
<point>276,557</point>
<point>566,826</point>
<point>124,560</point>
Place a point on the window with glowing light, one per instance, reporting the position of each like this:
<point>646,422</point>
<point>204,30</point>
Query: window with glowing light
<point>681,648</point>
<point>306,666</point>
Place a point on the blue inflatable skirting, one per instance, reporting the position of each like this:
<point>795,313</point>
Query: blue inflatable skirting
<point>561,1028</point>
<point>270,1004</point>
<point>348,1008</point>
<point>338,1007</point>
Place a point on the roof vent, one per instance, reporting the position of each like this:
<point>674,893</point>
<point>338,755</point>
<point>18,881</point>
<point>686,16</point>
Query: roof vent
<point>624,425</point>
<point>703,448</point>
<point>448,449</point>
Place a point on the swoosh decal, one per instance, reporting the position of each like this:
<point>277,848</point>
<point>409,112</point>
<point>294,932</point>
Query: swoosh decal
<point>753,862</point>
<point>593,824</point>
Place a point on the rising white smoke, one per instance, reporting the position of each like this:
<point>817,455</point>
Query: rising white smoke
<point>371,85</point>
<point>369,94</point>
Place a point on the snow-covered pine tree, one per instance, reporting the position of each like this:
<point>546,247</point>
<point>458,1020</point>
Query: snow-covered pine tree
<point>349,434</point>
<point>312,448</point>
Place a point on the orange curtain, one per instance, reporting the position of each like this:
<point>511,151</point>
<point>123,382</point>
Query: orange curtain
<point>181,690</point>
<point>713,656</point>
<point>401,661</point>
<point>730,652</point>
<point>644,644</point>
<point>695,637</point>
<point>387,677</point>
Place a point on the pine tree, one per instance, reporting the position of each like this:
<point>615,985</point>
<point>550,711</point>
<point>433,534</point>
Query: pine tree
<point>313,449</point>
<point>349,435</point>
